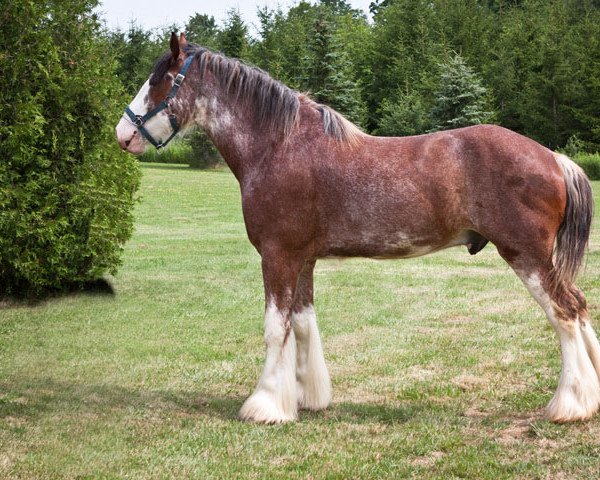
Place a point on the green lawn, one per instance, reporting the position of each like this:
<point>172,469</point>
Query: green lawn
<point>440,365</point>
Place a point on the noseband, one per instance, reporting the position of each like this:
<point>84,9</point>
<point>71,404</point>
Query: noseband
<point>140,120</point>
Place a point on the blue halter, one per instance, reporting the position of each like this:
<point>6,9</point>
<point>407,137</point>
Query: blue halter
<point>140,120</point>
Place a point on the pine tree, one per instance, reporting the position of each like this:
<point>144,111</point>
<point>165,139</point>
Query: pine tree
<point>330,74</point>
<point>233,39</point>
<point>460,99</point>
<point>202,29</point>
<point>406,115</point>
<point>136,53</point>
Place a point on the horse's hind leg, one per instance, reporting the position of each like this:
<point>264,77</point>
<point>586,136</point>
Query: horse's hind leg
<point>578,394</point>
<point>275,398</point>
<point>313,384</point>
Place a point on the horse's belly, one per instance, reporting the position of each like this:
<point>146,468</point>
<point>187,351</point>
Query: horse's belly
<point>397,245</point>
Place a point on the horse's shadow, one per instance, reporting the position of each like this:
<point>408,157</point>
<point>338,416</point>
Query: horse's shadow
<point>32,398</point>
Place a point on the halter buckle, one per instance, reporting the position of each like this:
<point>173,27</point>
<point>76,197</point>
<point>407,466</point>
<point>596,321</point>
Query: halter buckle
<point>179,79</point>
<point>139,121</point>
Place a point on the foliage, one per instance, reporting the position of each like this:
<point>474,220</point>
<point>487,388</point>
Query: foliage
<point>195,150</point>
<point>407,115</point>
<point>66,191</point>
<point>135,52</point>
<point>590,162</point>
<point>178,152</point>
<point>329,72</point>
<point>311,48</point>
<point>233,39</point>
<point>204,154</point>
<point>202,29</point>
<point>574,147</point>
<point>460,99</point>
<point>404,57</point>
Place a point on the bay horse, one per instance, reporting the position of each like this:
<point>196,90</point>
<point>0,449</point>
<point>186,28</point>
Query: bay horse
<point>314,186</point>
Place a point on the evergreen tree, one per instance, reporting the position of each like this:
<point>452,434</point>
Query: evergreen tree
<point>406,115</point>
<point>233,39</point>
<point>330,73</point>
<point>289,37</point>
<point>66,191</point>
<point>136,53</point>
<point>202,29</point>
<point>267,53</point>
<point>461,99</point>
<point>340,7</point>
<point>406,50</point>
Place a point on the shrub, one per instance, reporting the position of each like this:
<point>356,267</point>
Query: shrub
<point>590,162</point>
<point>66,190</point>
<point>178,151</point>
<point>204,154</point>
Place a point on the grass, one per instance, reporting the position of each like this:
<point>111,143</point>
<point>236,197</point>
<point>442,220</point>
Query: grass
<point>441,365</point>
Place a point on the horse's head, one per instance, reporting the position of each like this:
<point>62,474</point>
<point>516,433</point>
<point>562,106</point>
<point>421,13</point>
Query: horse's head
<point>156,115</point>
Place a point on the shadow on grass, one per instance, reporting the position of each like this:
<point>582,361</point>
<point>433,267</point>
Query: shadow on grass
<point>182,166</point>
<point>33,398</point>
<point>165,166</point>
<point>99,287</point>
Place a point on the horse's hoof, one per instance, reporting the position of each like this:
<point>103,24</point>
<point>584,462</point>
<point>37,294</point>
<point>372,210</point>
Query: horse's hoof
<point>260,407</point>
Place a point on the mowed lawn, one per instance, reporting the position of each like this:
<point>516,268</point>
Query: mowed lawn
<point>441,365</point>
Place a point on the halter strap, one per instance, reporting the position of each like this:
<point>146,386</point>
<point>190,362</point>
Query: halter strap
<point>140,120</point>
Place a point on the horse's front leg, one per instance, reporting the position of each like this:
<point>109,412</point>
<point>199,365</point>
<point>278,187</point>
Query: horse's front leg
<point>314,386</point>
<point>275,398</point>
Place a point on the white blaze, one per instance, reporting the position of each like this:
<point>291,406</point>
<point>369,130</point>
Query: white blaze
<point>158,126</point>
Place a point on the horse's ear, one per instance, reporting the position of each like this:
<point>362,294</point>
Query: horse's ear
<point>175,49</point>
<point>182,40</point>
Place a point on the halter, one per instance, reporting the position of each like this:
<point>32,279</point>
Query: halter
<point>140,120</point>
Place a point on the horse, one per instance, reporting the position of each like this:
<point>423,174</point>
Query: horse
<point>314,186</point>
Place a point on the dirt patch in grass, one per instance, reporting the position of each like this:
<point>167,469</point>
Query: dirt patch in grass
<point>468,382</point>
<point>427,460</point>
<point>517,431</point>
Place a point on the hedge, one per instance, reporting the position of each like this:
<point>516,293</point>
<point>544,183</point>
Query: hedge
<point>66,190</point>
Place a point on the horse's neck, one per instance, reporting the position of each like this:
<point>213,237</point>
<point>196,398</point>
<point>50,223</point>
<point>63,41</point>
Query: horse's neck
<point>235,133</point>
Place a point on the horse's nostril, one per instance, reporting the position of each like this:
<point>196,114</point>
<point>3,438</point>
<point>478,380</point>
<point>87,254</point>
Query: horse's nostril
<point>127,142</point>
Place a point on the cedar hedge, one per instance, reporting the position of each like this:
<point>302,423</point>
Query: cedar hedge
<point>66,190</point>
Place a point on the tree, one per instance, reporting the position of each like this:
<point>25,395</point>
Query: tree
<point>460,99</point>
<point>136,53</point>
<point>66,191</point>
<point>330,75</point>
<point>267,53</point>
<point>405,53</point>
<point>202,29</point>
<point>405,115</point>
<point>233,39</point>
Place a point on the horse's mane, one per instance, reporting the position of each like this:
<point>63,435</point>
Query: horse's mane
<point>276,105</point>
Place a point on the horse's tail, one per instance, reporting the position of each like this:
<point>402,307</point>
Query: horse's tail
<point>574,231</point>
